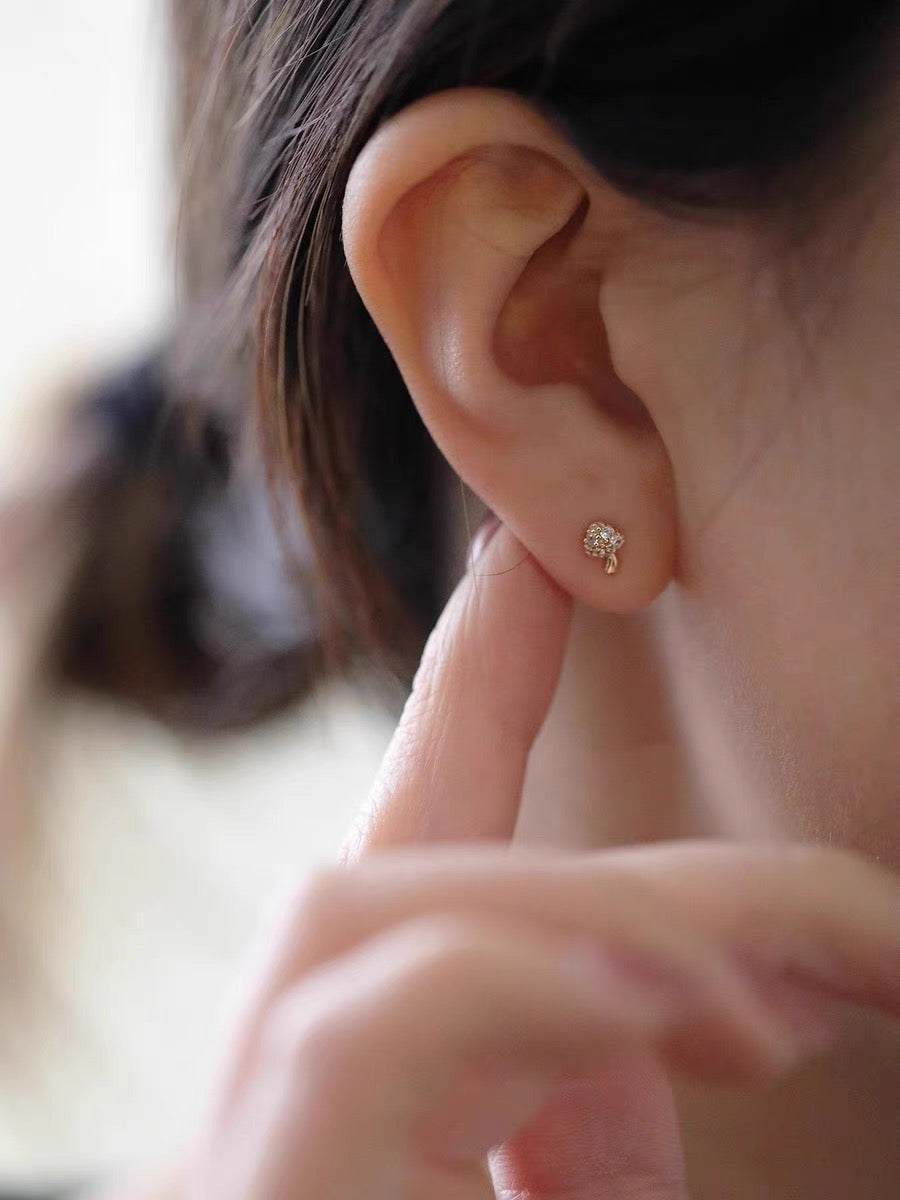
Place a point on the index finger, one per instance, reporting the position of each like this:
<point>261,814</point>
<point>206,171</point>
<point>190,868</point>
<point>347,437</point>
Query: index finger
<point>456,765</point>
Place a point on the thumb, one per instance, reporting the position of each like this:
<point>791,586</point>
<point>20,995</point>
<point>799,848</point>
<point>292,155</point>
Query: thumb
<point>611,1135</point>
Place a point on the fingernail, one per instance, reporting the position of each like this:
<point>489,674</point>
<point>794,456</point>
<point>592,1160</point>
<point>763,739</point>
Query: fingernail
<point>483,535</point>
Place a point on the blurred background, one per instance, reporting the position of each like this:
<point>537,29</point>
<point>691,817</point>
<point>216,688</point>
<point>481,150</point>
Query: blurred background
<point>137,862</point>
<point>85,206</point>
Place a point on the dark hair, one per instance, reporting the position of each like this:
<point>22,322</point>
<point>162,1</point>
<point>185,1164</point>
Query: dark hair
<point>702,104</point>
<point>148,524</point>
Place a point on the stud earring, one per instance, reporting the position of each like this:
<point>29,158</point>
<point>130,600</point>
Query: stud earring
<point>604,541</point>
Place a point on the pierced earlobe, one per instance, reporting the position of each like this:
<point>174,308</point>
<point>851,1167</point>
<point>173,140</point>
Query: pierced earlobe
<point>602,540</point>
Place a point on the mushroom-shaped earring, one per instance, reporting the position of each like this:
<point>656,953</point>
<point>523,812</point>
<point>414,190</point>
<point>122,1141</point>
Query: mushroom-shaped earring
<point>604,541</point>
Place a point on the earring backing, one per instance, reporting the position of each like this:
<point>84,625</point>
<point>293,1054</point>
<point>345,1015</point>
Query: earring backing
<point>602,540</point>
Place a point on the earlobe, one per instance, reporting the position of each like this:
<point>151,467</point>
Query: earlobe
<point>470,227</point>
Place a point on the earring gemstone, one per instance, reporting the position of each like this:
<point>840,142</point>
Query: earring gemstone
<point>602,540</point>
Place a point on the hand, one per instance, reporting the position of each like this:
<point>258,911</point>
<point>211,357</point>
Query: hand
<point>422,1007</point>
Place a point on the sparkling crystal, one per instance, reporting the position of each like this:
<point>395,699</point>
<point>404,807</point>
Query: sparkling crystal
<point>602,540</point>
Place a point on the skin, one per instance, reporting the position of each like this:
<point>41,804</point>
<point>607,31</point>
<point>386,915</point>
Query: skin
<point>724,392</point>
<point>417,1007</point>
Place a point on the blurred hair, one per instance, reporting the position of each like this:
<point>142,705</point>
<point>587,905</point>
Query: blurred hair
<point>702,105</point>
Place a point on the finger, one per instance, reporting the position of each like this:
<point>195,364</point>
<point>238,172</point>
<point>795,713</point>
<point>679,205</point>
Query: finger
<point>611,1134</point>
<point>611,915</point>
<point>455,767</point>
<point>827,917</point>
<point>335,910</point>
<point>424,1001</point>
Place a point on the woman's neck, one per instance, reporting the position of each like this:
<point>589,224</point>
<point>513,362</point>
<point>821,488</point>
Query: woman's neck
<point>627,756</point>
<point>610,766</point>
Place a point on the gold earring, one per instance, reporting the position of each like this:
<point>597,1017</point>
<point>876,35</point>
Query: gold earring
<point>604,541</point>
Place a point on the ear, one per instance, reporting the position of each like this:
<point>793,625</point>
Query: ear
<point>480,242</point>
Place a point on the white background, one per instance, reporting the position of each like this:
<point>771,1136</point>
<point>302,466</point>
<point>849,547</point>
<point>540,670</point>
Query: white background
<point>83,211</point>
